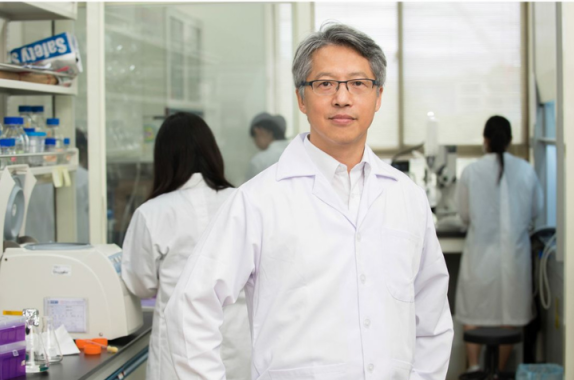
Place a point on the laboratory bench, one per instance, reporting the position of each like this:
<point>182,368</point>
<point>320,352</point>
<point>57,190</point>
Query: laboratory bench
<point>132,352</point>
<point>452,244</point>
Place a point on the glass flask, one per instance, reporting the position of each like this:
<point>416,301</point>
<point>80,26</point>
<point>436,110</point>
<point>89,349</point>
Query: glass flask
<point>50,341</point>
<point>36,357</point>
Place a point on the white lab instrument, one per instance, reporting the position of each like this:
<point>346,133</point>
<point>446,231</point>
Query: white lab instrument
<point>439,175</point>
<point>76,284</point>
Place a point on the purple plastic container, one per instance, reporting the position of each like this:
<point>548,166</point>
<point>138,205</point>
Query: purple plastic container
<point>12,329</point>
<point>12,360</point>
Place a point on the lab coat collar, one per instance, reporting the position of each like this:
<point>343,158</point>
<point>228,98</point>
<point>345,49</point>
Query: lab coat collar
<point>295,162</point>
<point>196,180</point>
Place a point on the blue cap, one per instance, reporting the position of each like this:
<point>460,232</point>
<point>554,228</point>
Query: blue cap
<point>66,141</point>
<point>7,142</point>
<point>11,120</point>
<point>37,108</point>
<point>52,121</point>
<point>24,108</point>
<point>36,134</point>
<point>50,141</point>
<point>28,130</point>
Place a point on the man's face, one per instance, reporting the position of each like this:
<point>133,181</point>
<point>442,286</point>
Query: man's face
<point>262,138</point>
<point>340,119</point>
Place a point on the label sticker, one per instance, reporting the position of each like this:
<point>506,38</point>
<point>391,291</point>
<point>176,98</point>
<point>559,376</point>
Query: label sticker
<point>62,270</point>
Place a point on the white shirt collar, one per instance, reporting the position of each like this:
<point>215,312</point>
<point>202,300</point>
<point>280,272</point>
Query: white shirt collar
<point>329,166</point>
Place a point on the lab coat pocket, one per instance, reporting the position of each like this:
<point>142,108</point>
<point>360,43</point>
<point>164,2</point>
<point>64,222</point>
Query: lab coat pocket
<point>324,372</point>
<point>400,370</point>
<point>400,251</point>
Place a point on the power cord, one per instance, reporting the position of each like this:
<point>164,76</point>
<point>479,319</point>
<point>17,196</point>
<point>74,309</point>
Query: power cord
<point>543,283</point>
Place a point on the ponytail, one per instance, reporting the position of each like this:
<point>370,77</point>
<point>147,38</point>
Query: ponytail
<point>499,134</point>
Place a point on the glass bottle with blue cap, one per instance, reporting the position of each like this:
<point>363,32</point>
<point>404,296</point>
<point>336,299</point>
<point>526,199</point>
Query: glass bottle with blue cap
<point>53,131</point>
<point>7,149</point>
<point>37,140</point>
<point>26,113</point>
<point>14,128</point>
<point>38,122</point>
<point>50,146</point>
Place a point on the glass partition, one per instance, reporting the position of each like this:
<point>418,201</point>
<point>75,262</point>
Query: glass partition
<point>210,59</point>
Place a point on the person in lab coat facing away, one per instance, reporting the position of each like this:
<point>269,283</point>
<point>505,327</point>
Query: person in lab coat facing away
<point>268,133</point>
<point>343,273</point>
<point>498,197</point>
<point>188,188</point>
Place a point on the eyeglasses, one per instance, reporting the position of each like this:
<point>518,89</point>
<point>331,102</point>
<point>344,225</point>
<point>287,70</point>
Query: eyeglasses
<point>330,87</point>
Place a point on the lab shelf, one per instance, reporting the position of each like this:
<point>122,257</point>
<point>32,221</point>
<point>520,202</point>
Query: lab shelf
<point>14,87</point>
<point>71,165</point>
<point>28,11</point>
<point>41,170</point>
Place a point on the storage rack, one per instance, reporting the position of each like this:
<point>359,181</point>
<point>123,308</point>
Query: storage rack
<point>62,14</point>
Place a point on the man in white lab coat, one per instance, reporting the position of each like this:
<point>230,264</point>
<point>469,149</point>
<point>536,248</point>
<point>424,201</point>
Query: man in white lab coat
<point>343,273</point>
<point>268,133</point>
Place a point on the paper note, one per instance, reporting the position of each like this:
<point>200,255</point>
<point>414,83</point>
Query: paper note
<point>66,176</point>
<point>67,345</point>
<point>57,178</point>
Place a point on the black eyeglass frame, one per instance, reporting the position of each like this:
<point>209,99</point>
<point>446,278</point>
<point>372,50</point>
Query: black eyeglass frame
<point>310,83</point>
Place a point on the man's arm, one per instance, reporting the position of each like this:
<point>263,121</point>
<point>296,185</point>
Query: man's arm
<point>434,332</point>
<point>221,265</point>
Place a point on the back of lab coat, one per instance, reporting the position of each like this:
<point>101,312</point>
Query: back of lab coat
<point>494,283</point>
<point>160,239</point>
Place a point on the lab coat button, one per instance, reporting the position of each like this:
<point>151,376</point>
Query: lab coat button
<point>358,237</point>
<point>371,367</point>
<point>367,323</point>
<point>363,278</point>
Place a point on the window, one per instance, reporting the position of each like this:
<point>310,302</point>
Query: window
<point>462,61</point>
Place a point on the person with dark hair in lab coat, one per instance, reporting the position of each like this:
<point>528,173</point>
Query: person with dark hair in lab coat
<point>498,197</point>
<point>188,188</point>
<point>268,133</point>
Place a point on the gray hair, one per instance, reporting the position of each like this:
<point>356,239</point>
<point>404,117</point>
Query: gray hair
<point>341,35</point>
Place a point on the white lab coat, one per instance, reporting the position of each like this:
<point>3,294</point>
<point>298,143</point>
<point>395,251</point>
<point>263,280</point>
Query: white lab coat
<point>266,158</point>
<point>328,297</point>
<point>495,282</point>
<point>161,237</point>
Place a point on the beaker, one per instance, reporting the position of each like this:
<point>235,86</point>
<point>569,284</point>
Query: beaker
<point>36,357</point>
<point>50,341</point>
